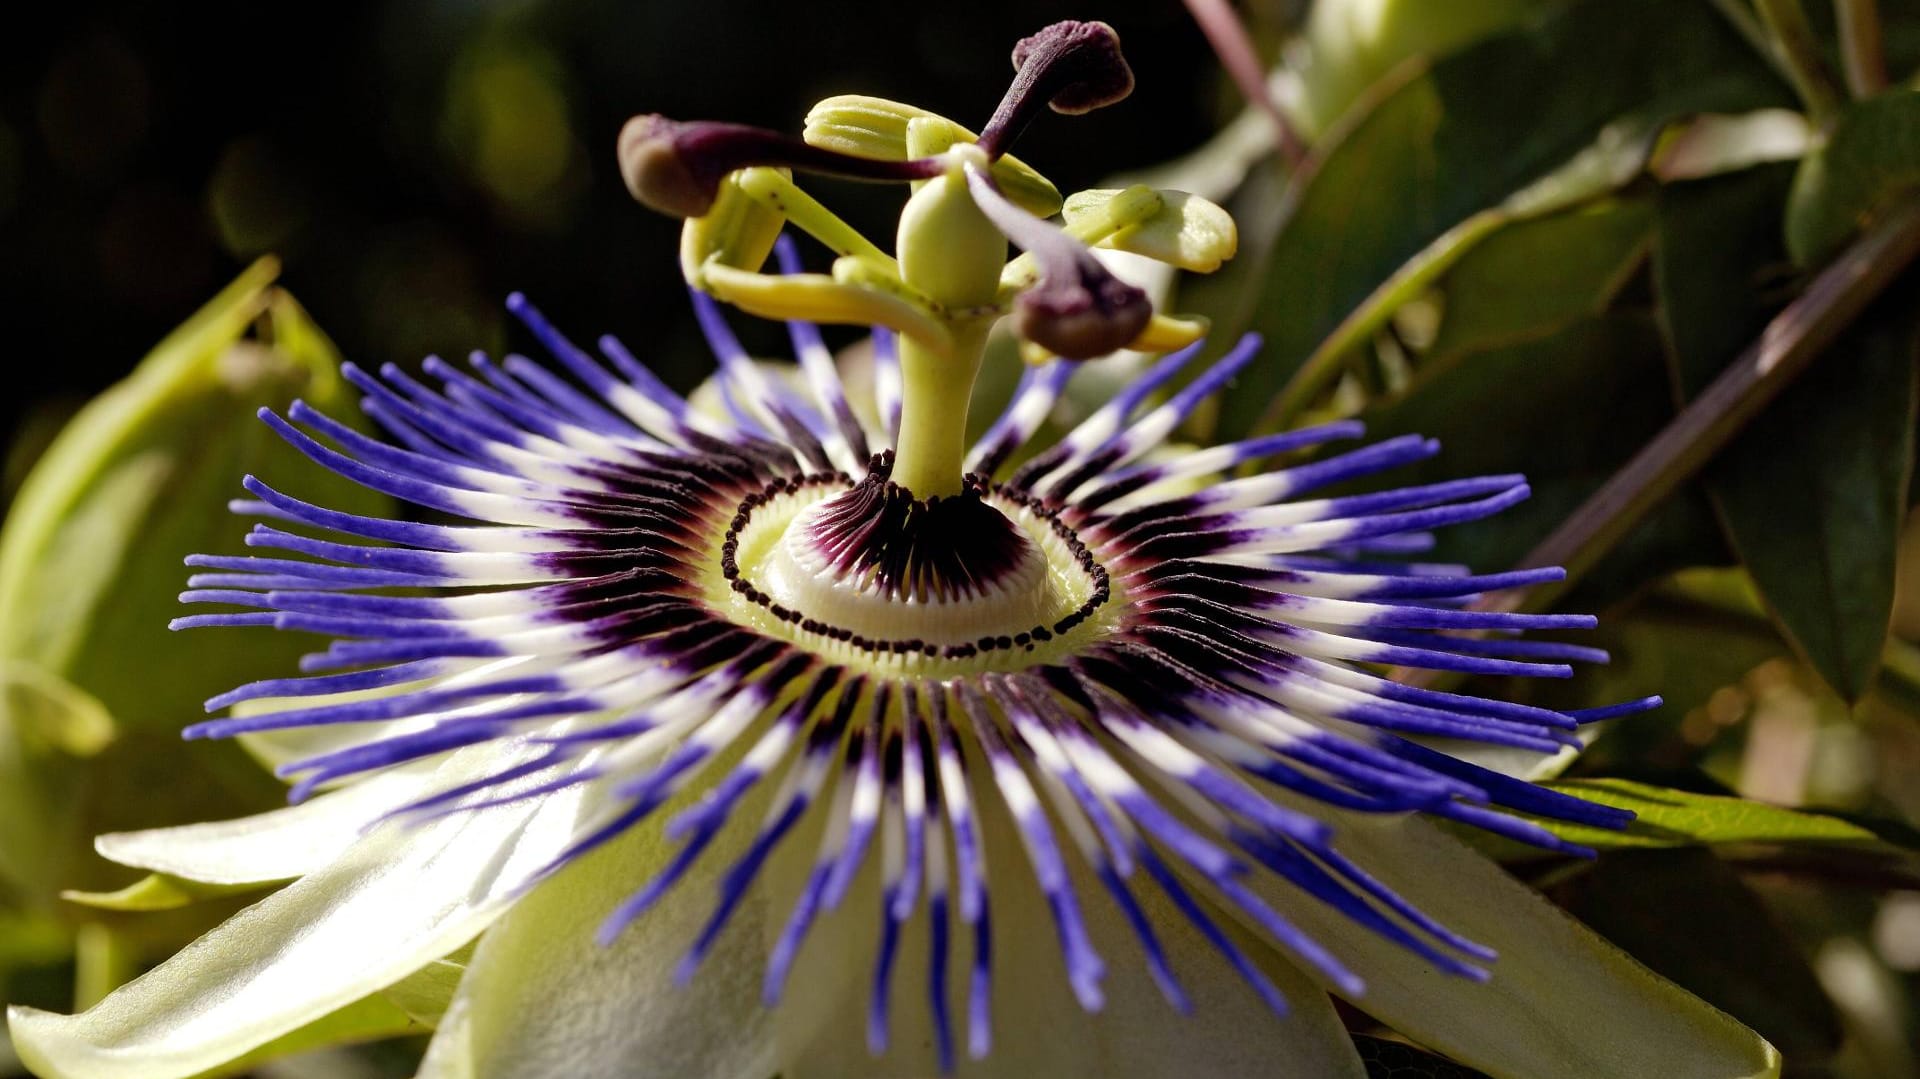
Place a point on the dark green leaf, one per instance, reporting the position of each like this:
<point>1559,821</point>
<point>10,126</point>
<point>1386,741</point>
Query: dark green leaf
<point>1871,157</point>
<point>1831,457</point>
<point>1666,644</point>
<point>1537,276</point>
<point>1834,456</point>
<point>1466,134</point>
<point>1690,918</point>
<point>1531,408</point>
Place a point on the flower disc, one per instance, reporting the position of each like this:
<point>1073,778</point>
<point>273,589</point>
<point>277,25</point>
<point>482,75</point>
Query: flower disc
<point>1155,658</point>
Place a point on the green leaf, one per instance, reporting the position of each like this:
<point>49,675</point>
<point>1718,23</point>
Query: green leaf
<point>91,568</point>
<point>1349,47</point>
<point>1466,134</point>
<point>1665,817</point>
<point>1840,445</point>
<point>391,905</point>
<point>50,733</point>
<point>1666,643</point>
<point>1538,276</point>
<point>1871,157</point>
<point>157,891</point>
<point>1708,932</point>
<point>1834,453</point>
<point>1564,445</point>
<point>31,940</point>
<point>371,1018</point>
<point>426,993</point>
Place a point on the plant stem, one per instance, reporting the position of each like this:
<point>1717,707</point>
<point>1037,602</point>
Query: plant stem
<point>1799,50</point>
<point>1741,16</point>
<point>103,962</point>
<point>1230,41</point>
<point>1785,348</point>
<point>1900,665</point>
<point>1861,56</point>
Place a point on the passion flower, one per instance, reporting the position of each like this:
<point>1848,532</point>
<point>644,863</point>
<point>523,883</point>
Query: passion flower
<point>772,696</point>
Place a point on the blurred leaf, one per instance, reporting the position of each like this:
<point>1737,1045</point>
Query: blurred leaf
<point>1614,158</point>
<point>1529,407</point>
<point>50,713</point>
<point>91,566</point>
<point>1829,580</point>
<point>1665,643</point>
<point>370,1018</point>
<point>1389,1059</point>
<point>61,521</point>
<point>1465,134</point>
<point>1673,818</point>
<point>1535,277</point>
<point>29,940</point>
<point>1347,47</point>
<point>49,732</point>
<point>1689,917</point>
<point>1871,157</point>
<point>1833,453</point>
<point>157,891</point>
<point>31,436</point>
<point>426,993</point>
<point>1716,253</point>
<point>1712,144</point>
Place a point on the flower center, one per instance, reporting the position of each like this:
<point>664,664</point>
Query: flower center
<point>864,571</point>
<point>949,280</point>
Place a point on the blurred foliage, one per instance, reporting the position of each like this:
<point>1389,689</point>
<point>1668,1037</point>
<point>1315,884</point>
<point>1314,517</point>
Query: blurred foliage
<point>1538,236</point>
<point>93,687</point>
<point>1844,436</point>
<point>91,564</point>
<point>1535,229</point>
<point>1444,141</point>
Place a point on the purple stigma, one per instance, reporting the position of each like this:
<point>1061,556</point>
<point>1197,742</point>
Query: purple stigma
<point>1072,66</point>
<point>1078,309</point>
<point>676,166</point>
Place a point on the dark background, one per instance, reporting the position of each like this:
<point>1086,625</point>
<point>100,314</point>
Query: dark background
<point>415,160</point>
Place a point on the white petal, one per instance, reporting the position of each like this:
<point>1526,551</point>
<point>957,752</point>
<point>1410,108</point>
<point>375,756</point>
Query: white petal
<point>392,904</point>
<point>1039,1029</point>
<point>274,748</point>
<point>542,998</point>
<point>1562,1001</point>
<point>278,845</point>
<point>1530,765</point>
